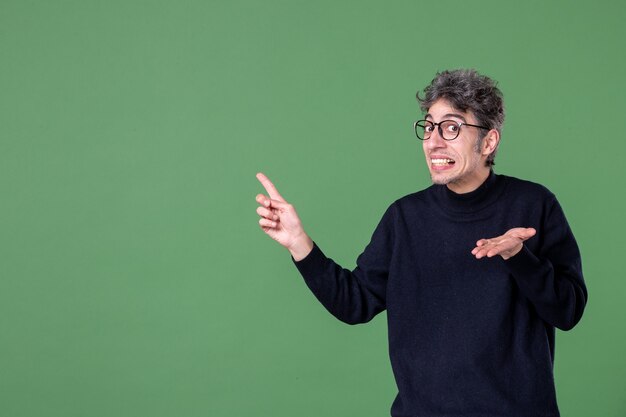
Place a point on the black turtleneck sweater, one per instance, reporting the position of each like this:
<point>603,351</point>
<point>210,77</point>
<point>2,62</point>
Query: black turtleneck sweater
<point>467,337</point>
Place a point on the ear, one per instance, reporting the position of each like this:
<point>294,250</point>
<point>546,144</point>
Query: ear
<point>490,142</point>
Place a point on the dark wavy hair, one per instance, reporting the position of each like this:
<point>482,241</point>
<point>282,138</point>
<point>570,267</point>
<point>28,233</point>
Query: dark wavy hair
<point>468,91</point>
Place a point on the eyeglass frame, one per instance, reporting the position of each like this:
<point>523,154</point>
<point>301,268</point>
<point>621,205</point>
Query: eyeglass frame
<point>440,130</point>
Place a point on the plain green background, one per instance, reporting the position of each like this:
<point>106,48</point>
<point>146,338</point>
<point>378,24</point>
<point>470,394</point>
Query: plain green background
<point>135,280</point>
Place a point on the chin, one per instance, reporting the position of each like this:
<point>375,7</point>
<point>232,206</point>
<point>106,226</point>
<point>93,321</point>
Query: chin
<point>439,179</point>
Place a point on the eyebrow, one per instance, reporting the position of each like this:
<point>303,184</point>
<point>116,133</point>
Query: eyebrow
<point>458,116</point>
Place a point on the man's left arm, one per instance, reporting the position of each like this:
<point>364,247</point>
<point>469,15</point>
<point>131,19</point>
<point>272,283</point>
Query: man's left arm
<point>551,279</point>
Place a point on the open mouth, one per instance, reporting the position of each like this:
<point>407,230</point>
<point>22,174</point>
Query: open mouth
<point>442,162</point>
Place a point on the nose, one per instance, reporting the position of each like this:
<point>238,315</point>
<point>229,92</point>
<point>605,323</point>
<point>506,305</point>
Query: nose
<point>435,140</point>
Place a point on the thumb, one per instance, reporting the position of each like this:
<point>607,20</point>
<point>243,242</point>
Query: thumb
<point>527,233</point>
<point>272,203</point>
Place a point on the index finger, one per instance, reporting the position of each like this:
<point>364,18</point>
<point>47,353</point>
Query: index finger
<point>269,187</point>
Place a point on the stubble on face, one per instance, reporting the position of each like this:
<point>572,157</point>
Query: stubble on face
<point>459,164</point>
<point>457,178</point>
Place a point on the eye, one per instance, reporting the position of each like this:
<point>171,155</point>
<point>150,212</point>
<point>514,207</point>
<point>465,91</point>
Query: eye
<point>452,127</point>
<point>428,128</point>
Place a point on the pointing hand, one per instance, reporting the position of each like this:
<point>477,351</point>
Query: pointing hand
<point>280,221</point>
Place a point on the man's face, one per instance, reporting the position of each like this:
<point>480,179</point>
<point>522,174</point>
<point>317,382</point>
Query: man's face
<point>456,163</point>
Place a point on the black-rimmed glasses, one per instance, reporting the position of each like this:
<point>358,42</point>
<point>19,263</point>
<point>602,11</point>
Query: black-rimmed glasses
<point>448,129</point>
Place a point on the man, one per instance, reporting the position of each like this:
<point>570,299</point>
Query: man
<point>475,272</point>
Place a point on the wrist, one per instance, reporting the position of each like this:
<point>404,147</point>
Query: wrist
<point>301,247</point>
<point>513,252</point>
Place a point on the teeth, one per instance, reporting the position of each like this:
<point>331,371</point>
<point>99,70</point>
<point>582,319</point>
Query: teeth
<point>441,161</point>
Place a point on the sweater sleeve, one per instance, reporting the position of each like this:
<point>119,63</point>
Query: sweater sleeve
<point>552,279</point>
<point>352,296</point>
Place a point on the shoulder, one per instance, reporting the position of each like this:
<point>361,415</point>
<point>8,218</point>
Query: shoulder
<point>407,206</point>
<point>519,188</point>
<point>411,201</point>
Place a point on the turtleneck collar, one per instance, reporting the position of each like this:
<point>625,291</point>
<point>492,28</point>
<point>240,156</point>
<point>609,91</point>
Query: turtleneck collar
<point>472,202</point>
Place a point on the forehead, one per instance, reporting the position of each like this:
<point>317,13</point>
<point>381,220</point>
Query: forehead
<point>443,109</point>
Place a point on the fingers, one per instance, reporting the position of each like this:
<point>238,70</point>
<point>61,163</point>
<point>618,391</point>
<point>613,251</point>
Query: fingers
<point>506,245</point>
<point>267,224</point>
<point>262,200</point>
<point>269,187</point>
<point>496,250</point>
<point>267,213</point>
<point>483,246</point>
<point>491,247</point>
<point>528,233</point>
<point>481,252</point>
<point>269,203</point>
<point>488,251</point>
<point>482,242</point>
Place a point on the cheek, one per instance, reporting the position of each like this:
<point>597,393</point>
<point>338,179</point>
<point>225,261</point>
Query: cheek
<point>465,152</point>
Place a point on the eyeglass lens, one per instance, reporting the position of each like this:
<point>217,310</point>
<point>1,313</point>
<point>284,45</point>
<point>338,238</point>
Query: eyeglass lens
<point>449,129</point>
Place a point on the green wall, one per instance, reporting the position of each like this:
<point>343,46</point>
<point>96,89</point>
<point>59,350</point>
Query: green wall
<point>134,279</point>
